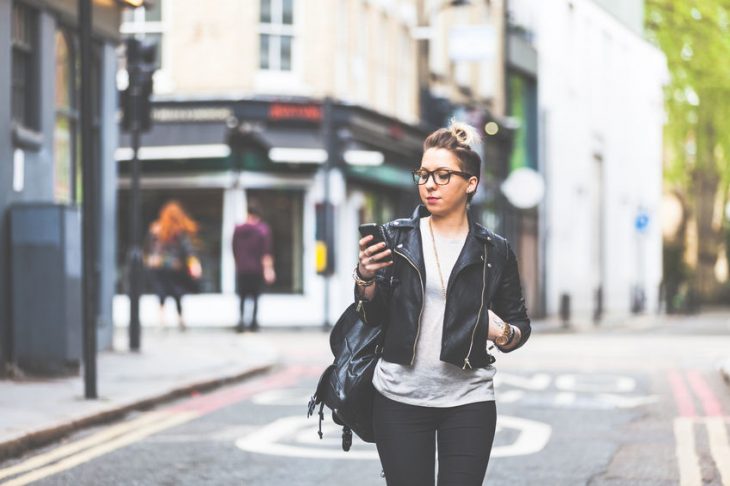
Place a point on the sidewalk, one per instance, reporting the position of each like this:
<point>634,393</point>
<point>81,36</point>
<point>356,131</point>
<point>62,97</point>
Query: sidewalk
<point>171,364</point>
<point>712,320</point>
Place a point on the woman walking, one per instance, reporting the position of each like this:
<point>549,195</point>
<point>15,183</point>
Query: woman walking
<point>433,288</point>
<point>171,257</point>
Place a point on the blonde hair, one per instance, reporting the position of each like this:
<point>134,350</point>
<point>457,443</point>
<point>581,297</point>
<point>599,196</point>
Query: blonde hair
<point>463,133</point>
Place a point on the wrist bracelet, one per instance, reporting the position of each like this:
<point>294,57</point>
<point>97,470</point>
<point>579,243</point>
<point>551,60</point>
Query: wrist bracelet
<point>512,335</point>
<point>362,282</point>
<point>359,275</point>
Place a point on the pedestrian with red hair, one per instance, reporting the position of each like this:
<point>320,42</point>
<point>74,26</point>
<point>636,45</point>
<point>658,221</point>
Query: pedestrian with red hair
<point>171,258</point>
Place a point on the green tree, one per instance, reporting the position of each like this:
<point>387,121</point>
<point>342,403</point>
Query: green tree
<point>695,37</point>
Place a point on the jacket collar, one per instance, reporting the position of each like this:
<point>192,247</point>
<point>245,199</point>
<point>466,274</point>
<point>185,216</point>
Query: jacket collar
<point>411,246</point>
<point>475,229</point>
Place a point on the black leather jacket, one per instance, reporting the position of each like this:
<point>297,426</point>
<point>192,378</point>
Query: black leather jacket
<point>484,276</point>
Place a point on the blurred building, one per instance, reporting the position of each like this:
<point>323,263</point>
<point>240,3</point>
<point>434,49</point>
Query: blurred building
<point>600,117</point>
<point>239,117</point>
<point>39,149</point>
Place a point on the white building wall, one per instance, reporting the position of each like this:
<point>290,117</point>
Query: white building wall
<point>600,96</point>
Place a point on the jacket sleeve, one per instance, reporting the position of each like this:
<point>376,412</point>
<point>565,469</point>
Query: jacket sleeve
<point>508,302</point>
<point>234,246</point>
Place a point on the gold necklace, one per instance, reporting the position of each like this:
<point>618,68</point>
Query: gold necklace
<point>438,263</point>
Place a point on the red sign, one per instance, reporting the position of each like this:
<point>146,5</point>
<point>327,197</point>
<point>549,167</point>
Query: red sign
<point>396,132</point>
<point>282,111</point>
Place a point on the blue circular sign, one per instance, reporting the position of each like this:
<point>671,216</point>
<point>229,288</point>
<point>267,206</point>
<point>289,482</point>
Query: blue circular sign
<point>641,222</point>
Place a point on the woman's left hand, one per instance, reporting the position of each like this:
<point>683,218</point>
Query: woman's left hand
<point>496,325</point>
<point>496,329</point>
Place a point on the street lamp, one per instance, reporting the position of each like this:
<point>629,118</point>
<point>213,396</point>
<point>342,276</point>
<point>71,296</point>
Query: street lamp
<point>137,119</point>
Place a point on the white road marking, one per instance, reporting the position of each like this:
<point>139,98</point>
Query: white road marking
<point>595,383</point>
<point>296,437</point>
<point>266,441</point>
<point>564,399</point>
<point>538,381</point>
<point>689,464</point>
<point>509,396</point>
<point>533,437</point>
<point>623,401</point>
<point>719,447</point>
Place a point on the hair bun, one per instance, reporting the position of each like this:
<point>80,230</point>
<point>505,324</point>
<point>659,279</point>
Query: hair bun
<point>464,134</point>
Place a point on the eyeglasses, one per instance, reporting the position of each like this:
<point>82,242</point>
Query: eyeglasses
<point>440,176</point>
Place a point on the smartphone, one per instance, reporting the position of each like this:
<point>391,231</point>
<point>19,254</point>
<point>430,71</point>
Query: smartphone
<point>378,235</point>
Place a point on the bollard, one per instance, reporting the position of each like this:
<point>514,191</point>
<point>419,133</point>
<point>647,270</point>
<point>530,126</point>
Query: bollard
<point>565,310</point>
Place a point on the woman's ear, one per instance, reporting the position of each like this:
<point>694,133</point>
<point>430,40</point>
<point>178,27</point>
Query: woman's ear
<point>472,187</point>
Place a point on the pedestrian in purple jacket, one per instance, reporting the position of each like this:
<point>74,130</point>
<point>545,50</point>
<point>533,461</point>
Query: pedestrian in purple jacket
<point>252,250</point>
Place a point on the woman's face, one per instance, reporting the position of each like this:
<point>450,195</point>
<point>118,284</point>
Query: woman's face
<point>442,200</point>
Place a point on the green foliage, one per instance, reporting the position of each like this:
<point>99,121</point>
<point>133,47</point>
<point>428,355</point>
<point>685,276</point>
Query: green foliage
<point>695,37</point>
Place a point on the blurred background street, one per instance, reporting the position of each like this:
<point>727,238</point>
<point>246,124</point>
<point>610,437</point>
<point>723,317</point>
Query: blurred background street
<point>606,134</point>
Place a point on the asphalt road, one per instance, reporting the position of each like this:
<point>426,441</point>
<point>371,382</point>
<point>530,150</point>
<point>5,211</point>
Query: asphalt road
<point>610,408</point>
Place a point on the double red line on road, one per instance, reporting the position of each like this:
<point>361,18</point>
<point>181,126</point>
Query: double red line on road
<point>714,420</point>
<point>683,398</point>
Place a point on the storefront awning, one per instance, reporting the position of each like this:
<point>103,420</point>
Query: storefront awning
<point>289,146</point>
<point>387,175</point>
<point>175,152</point>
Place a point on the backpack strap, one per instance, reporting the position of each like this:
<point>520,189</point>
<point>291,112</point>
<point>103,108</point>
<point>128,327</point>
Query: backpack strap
<point>346,438</point>
<point>321,418</point>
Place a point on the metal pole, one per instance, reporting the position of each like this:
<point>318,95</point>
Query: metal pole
<point>134,257</point>
<point>135,249</point>
<point>89,197</point>
<point>328,127</point>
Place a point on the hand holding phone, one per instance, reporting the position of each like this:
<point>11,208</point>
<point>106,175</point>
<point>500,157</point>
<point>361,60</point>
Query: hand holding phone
<point>374,253</point>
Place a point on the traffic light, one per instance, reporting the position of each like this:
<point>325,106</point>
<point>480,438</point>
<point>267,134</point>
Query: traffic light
<point>141,66</point>
<point>324,233</point>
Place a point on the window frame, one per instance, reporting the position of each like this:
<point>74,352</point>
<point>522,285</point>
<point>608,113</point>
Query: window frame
<point>26,127</point>
<point>276,29</point>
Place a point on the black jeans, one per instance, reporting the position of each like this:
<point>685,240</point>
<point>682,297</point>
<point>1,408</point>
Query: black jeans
<point>170,282</point>
<point>249,285</point>
<point>406,436</point>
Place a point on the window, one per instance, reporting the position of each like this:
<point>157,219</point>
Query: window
<point>146,21</point>
<point>283,211</point>
<point>67,187</point>
<point>24,78</point>
<point>276,36</point>
<point>65,133</point>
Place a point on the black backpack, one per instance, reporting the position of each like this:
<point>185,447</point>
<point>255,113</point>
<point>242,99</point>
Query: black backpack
<point>346,385</point>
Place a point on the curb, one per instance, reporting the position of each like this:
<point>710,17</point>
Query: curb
<point>38,438</point>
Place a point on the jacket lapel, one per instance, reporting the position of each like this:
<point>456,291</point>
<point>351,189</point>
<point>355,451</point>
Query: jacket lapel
<point>472,253</point>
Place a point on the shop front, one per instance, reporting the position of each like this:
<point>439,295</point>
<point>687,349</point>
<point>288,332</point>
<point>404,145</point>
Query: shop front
<point>215,157</point>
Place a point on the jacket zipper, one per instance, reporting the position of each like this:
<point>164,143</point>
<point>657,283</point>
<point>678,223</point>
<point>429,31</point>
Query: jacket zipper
<point>476,324</point>
<point>418,329</point>
<point>361,307</point>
